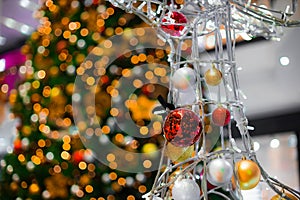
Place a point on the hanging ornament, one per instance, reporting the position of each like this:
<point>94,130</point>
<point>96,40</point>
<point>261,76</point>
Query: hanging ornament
<point>185,189</point>
<point>179,154</point>
<point>248,174</point>
<point>219,171</point>
<point>78,156</point>
<point>182,127</point>
<point>177,173</point>
<point>171,177</point>
<point>221,116</point>
<point>281,197</point>
<point>17,145</point>
<point>213,76</point>
<point>184,78</point>
<point>174,23</point>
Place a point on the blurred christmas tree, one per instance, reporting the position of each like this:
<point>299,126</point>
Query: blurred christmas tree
<point>49,160</point>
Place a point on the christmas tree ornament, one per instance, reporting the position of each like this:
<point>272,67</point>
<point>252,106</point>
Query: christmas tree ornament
<point>219,171</point>
<point>282,197</point>
<point>179,154</point>
<point>221,116</point>
<point>78,156</point>
<point>248,174</point>
<point>184,78</point>
<point>18,145</point>
<point>185,189</point>
<point>213,76</point>
<point>174,23</point>
<point>179,175</point>
<point>182,127</point>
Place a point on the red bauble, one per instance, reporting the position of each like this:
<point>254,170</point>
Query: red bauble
<point>174,23</point>
<point>78,156</point>
<point>17,145</point>
<point>221,116</point>
<point>182,127</point>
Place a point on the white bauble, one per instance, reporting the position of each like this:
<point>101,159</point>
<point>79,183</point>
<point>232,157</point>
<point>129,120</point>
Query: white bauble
<point>184,78</point>
<point>219,171</point>
<point>185,189</point>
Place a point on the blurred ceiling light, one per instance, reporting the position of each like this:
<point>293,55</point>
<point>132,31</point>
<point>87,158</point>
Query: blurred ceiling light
<point>284,61</point>
<point>9,22</point>
<point>24,3</point>
<point>25,29</point>
<point>13,24</point>
<point>30,5</point>
<point>275,143</point>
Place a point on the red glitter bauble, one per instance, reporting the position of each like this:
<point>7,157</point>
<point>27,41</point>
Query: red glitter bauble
<point>221,116</point>
<point>173,23</point>
<point>182,127</point>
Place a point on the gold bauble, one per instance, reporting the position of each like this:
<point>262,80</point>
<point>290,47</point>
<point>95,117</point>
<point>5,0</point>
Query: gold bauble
<point>179,154</point>
<point>278,197</point>
<point>248,174</point>
<point>213,76</point>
